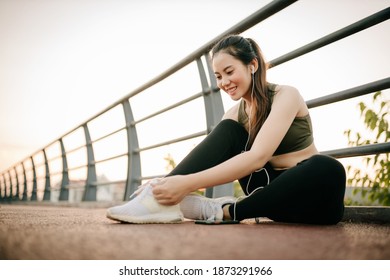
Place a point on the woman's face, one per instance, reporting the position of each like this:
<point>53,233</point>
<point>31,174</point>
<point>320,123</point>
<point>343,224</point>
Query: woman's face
<point>232,76</point>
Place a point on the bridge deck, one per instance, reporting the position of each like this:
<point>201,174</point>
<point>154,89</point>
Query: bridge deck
<point>77,233</point>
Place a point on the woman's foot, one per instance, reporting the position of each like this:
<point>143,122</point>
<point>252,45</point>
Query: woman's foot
<point>198,207</point>
<point>144,209</point>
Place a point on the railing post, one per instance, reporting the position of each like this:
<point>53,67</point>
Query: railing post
<point>214,112</point>
<point>90,184</point>
<point>212,100</point>
<point>1,189</point>
<point>34,189</point>
<point>133,158</point>
<point>46,194</point>
<point>5,188</point>
<point>24,196</point>
<point>11,192</point>
<point>16,197</point>
<point>64,192</point>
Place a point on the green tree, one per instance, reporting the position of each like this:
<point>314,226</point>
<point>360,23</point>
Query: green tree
<point>375,185</point>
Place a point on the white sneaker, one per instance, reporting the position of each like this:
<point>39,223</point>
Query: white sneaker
<point>144,209</point>
<point>198,207</point>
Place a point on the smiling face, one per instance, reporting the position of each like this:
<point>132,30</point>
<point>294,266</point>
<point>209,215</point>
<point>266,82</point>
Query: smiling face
<point>232,76</point>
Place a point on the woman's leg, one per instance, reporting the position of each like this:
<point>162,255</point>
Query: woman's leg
<point>258,179</point>
<point>226,140</point>
<point>311,192</point>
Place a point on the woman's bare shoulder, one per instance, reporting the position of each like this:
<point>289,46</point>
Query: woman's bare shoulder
<point>290,95</point>
<point>286,89</point>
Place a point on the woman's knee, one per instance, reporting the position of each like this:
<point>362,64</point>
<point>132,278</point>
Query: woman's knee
<point>230,125</point>
<point>328,167</point>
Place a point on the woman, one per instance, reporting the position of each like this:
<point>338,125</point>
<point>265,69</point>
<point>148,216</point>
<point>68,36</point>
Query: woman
<point>265,141</point>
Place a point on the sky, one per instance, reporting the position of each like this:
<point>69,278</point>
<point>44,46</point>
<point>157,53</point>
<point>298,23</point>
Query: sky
<point>63,61</point>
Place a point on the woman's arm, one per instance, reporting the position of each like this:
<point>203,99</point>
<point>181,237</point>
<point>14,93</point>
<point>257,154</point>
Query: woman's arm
<point>284,109</point>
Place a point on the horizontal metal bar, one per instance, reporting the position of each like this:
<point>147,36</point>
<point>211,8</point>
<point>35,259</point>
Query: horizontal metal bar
<point>350,93</point>
<point>107,183</point>
<point>110,158</point>
<point>166,109</point>
<point>77,167</point>
<point>150,177</point>
<point>40,177</point>
<point>75,149</point>
<point>55,173</point>
<point>191,136</point>
<point>75,186</point>
<point>54,158</point>
<point>40,164</point>
<point>359,150</point>
<point>333,37</point>
<point>108,135</point>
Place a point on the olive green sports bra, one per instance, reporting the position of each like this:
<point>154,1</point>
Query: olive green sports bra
<point>298,136</point>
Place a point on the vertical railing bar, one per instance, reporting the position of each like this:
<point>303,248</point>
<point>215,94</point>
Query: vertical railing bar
<point>10,185</point>
<point>64,192</point>
<point>1,188</point>
<point>202,75</point>
<point>24,196</point>
<point>207,104</point>
<point>133,158</point>
<point>34,189</point>
<point>5,187</point>
<point>90,187</point>
<point>213,81</point>
<point>3,198</point>
<point>11,192</point>
<point>46,194</point>
<point>17,194</point>
<point>212,100</point>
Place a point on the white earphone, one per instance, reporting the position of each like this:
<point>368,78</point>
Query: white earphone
<point>253,69</point>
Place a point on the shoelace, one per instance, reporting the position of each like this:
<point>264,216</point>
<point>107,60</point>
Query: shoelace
<point>214,207</point>
<point>138,190</point>
<point>142,187</point>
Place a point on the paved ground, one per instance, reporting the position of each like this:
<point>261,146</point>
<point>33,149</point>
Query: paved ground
<point>77,233</point>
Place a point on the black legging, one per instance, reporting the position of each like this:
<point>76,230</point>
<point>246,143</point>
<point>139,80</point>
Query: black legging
<point>310,192</point>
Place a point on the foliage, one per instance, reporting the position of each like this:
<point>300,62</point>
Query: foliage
<point>171,164</point>
<point>375,186</point>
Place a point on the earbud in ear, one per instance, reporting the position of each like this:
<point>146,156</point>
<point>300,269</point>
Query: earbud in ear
<point>253,69</point>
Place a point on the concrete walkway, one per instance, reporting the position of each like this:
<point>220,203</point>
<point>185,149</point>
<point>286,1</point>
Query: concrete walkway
<point>39,232</point>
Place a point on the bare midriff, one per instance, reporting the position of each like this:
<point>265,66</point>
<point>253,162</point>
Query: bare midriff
<point>285,161</point>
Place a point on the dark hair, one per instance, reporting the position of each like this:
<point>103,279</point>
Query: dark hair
<point>245,50</point>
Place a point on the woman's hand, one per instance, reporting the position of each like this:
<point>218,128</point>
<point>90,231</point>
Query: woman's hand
<point>171,190</point>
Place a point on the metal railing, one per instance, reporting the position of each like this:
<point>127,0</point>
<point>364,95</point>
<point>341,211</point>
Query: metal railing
<point>20,182</point>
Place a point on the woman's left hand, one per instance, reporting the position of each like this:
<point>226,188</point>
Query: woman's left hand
<point>171,190</point>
